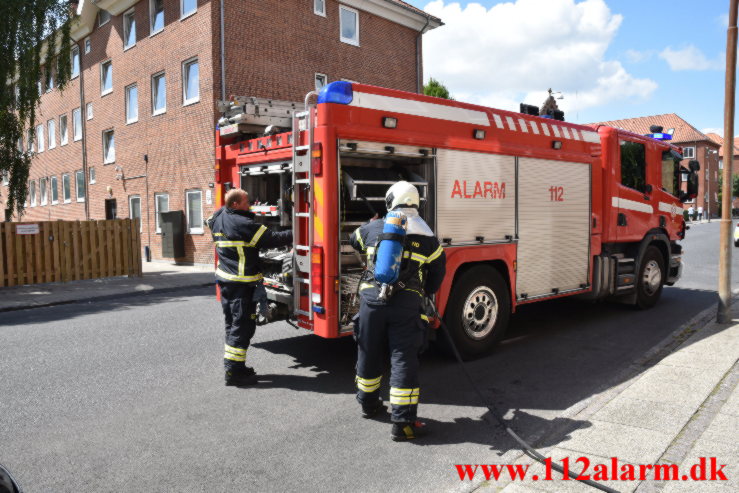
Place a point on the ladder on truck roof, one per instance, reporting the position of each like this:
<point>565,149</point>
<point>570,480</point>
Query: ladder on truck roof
<point>302,123</point>
<point>242,114</point>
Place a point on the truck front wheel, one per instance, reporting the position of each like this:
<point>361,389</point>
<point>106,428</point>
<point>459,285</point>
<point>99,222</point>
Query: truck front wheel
<point>478,311</point>
<point>651,278</point>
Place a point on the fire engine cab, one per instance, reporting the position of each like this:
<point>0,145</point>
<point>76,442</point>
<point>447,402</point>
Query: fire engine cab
<point>527,208</point>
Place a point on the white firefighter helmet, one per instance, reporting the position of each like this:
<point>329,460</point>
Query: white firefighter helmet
<point>402,194</point>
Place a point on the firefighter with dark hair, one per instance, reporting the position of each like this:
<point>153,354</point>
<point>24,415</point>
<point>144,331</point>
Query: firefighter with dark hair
<point>391,315</point>
<point>238,239</point>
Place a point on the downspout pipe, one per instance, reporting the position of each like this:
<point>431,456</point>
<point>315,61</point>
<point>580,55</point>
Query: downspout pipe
<point>223,55</point>
<point>419,70</point>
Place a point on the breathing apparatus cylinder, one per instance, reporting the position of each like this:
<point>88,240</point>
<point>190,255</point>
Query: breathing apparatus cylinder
<point>389,254</point>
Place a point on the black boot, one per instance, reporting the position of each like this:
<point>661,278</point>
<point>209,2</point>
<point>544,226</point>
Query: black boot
<point>240,376</point>
<point>371,409</point>
<point>403,432</point>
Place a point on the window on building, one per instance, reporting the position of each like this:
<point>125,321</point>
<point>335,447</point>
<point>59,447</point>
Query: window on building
<point>89,111</point>
<point>108,147</point>
<point>188,7</point>
<point>31,140</point>
<point>51,130</point>
<point>633,165</point>
<point>134,207</point>
<point>132,103</point>
<point>40,138</point>
<point>79,179</point>
<point>5,177</point>
<point>194,204</point>
<point>706,175</point>
<point>75,62</point>
<point>54,190</point>
<point>49,79</point>
<point>161,204</point>
<point>720,164</point>
<point>158,94</point>
<point>88,46</point>
<point>32,192</point>
<point>688,152</point>
<point>43,191</point>
<point>66,188</point>
<point>103,17</point>
<point>156,15</point>
<point>63,139</point>
<point>91,172</point>
<point>349,25</point>
<point>321,80</point>
<point>40,85</point>
<point>106,77</point>
<point>319,7</point>
<point>129,29</point>
<point>77,124</point>
<point>191,81</point>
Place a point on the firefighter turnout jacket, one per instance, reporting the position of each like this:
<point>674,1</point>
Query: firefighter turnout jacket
<point>421,270</point>
<point>238,239</point>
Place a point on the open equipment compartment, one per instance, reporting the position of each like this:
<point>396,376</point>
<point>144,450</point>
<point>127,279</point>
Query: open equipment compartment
<point>367,170</point>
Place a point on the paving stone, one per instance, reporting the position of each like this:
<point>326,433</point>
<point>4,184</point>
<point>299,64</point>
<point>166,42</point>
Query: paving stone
<point>673,384</point>
<point>731,406</point>
<point>664,417</point>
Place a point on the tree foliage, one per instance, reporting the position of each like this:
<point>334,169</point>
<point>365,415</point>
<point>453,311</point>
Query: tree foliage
<point>734,189</point>
<point>28,28</point>
<point>436,89</point>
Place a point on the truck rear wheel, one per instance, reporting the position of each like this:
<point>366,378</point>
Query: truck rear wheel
<point>651,278</point>
<point>478,311</point>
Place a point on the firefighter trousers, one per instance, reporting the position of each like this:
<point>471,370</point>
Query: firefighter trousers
<point>396,330</point>
<point>239,311</point>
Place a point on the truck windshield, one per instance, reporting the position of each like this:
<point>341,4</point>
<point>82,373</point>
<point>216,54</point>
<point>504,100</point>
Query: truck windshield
<point>670,174</point>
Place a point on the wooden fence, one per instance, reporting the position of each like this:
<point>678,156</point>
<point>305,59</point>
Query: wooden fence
<point>63,251</point>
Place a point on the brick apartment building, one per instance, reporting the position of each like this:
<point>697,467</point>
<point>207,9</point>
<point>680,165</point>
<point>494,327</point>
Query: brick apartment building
<point>133,132</point>
<point>695,144</point>
<point>720,141</point>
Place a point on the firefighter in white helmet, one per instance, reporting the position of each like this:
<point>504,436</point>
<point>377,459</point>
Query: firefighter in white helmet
<point>396,321</point>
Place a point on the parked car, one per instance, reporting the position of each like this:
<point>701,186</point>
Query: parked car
<point>736,235</point>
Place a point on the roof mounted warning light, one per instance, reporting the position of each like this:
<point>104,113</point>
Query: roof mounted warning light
<point>339,92</point>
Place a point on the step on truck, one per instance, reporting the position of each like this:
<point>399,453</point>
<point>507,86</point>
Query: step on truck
<point>527,208</point>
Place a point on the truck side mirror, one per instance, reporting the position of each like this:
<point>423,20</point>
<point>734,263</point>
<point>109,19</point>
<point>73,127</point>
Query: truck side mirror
<point>694,165</point>
<point>692,185</point>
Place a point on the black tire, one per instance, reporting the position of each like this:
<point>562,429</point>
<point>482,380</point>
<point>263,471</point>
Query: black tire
<point>651,278</point>
<point>736,243</point>
<point>475,289</point>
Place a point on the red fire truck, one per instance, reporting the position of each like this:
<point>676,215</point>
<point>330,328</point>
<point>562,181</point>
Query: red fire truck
<point>527,208</point>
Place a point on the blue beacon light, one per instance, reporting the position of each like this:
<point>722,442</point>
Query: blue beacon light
<point>339,92</point>
<point>660,136</point>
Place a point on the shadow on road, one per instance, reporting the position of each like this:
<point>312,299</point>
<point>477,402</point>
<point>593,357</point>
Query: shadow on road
<point>556,354</point>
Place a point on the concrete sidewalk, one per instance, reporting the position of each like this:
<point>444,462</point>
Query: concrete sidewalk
<point>157,276</point>
<point>680,403</point>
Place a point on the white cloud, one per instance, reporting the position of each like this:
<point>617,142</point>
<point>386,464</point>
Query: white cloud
<point>690,58</point>
<point>515,51</point>
<point>635,56</point>
<point>723,20</point>
<point>719,131</point>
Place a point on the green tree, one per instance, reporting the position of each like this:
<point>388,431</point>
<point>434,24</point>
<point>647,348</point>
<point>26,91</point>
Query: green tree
<point>734,189</point>
<point>29,30</point>
<point>436,89</point>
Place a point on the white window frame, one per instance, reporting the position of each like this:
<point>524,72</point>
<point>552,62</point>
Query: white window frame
<point>89,111</point>
<point>354,42</point>
<point>157,224</point>
<point>106,150</point>
<point>130,120</point>
<point>43,190</point>
<point>316,10</point>
<point>68,178</point>
<point>88,46</point>
<point>32,192</point>
<point>31,140</point>
<point>91,175</point>
<point>154,111</point>
<point>40,138</point>
<point>51,133</point>
<point>152,32</point>
<point>186,80</point>
<point>77,187</point>
<point>75,126</point>
<point>101,14</point>
<point>54,186</point>
<point>108,63</point>
<point>130,210</point>
<point>130,14</point>
<point>49,81</point>
<point>692,152</point>
<point>191,230</point>
<point>316,77</point>
<point>5,177</point>
<point>75,53</point>
<point>63,130</point>
<point>184,15</point>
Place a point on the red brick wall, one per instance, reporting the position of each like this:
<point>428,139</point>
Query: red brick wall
<point>282,44</point>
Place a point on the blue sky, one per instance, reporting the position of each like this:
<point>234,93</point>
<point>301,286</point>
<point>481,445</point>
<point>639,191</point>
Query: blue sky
<point>611,59</point>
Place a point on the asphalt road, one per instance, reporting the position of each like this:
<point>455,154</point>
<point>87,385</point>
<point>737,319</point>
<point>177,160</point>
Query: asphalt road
<point>128,395</point>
